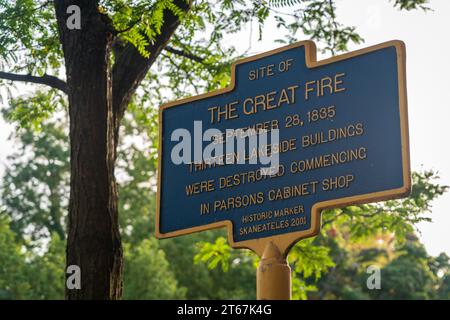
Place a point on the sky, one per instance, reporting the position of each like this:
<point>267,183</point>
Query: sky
<point>428,83</point>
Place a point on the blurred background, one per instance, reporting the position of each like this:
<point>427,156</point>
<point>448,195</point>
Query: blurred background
<point>407,239</point>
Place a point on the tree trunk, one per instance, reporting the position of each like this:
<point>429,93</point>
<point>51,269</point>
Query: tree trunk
<point>93,241</point>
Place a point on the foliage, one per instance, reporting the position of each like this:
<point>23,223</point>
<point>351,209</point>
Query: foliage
<point>310,259</point>
<point>138,21</point>
<point>27,274</point>
<point>147,274</point>
<point>345,279</point>
<point>12,276</point>
<point>135,172</point>
<point>29,38</point>
<point>197,59</point>
<point>46,272</point>
<point>35,187</point>
<point>407,271</point>
<point>412,4</point>
<point>317,20</point>
<point>203,282</point>
<point>31,111</point>
<point>396,216</point>
<point>407,276</point>
<point>214,253</point>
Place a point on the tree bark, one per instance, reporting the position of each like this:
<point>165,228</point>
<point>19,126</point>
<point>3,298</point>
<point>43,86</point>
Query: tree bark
<point>93,241</point>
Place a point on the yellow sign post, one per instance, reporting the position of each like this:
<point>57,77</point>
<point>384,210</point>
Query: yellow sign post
<point>273,277</point>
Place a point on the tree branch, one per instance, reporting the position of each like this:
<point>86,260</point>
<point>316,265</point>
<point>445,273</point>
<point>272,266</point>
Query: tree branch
<point>131,67</point>
<point>46,79</point>
<point>184,54</point>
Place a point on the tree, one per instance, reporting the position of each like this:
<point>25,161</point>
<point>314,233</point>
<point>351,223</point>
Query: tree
<point>29,274</point>
<point>147,273</point>
<point>36,184</point>
<point>45,271</point>
<point>33,265</point>
<point>408,276</point>
<point>98,95</point>
<point>13,264</point>
<point>106,49</point>
<point>327,263</point>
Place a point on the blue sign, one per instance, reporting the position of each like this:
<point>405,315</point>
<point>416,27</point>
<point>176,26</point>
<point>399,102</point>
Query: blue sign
<point>342,139</point>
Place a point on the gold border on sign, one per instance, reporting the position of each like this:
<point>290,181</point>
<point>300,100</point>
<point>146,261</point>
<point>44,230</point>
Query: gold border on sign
<point>285,241</point>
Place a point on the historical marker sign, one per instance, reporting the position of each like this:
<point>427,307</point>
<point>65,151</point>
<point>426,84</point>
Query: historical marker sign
<point>342,139</point>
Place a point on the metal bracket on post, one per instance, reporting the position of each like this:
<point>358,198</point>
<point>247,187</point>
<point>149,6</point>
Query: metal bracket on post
<point>273,277</point>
